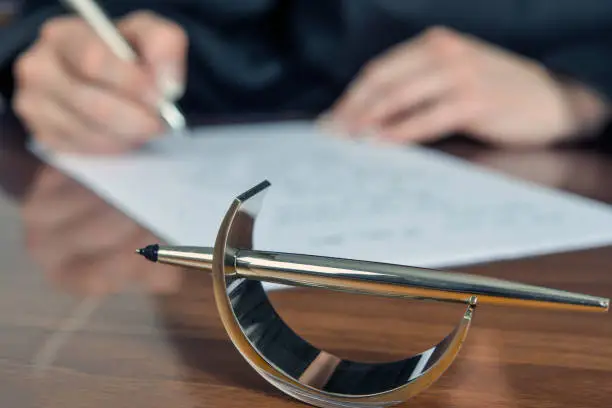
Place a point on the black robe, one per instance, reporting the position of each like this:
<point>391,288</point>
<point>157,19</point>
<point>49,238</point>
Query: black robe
<point>268,56</point>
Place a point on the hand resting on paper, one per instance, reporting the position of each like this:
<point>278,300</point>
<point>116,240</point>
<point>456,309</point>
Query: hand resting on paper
<point>445,82</point>
<point>73,94</point>
<point>84,245</point>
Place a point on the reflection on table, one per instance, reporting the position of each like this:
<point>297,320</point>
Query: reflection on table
<point>152,337</point>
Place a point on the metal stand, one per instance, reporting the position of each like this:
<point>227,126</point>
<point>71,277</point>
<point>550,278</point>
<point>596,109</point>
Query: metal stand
<point>315,376</point>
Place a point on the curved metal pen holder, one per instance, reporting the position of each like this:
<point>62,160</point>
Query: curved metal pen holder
<point>315,376</point>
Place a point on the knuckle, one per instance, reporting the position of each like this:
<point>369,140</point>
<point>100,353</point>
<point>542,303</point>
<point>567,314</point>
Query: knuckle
<point>439,33</point>
<point>57,28</point>
<point>51,30</point>
<point>370,68</point>
<point>443,43</point>
<point>371,72</point>
<point>22,105</point>
<point>92,60</point>
<point>21,69</point>
<point>155,29</point>
<point>142,16</point>
<point>26,67</point>
<point>157,25</point>
<point>173,33</point>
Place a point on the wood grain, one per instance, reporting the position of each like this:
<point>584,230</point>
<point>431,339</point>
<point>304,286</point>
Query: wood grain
<point>156,341</point>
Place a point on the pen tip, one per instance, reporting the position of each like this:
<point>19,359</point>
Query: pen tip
<point>149,252</point>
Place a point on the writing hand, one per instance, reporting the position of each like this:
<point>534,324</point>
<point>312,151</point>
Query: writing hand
<point>74,94</point>
<point>444,82</point>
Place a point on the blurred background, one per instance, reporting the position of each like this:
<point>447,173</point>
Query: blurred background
<point>7,9</point>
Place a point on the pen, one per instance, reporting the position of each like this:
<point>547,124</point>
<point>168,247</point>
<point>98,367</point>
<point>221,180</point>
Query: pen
<point>93,14</point>
<point>376,278</point>
<point>306,372</point>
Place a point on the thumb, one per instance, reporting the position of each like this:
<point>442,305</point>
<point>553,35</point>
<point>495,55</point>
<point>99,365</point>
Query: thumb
<point>162,46</point>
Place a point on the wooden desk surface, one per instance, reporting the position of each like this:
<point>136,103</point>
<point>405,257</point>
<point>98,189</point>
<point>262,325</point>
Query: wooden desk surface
<point>157,341</point>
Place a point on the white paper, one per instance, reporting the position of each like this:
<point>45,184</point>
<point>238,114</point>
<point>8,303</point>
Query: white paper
<point>340,198</point>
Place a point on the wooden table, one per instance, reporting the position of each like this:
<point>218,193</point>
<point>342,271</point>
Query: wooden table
<point>159,343</point>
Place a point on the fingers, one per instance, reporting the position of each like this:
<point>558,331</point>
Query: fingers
<point>438,119</point>
<point>406,82</point>
<point>162,45</point>
<point>59,129</point>
<point>63,129</point>
<point>76,95</point>
<point>111,110</point>
<point>66,113</point>
<point>405,98</point>
<point>447,82</point>
<point>88,58</point>
<point>377,79</point>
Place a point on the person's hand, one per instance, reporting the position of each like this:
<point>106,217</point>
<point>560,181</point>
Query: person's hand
<point>85,246</point>
<point>444,82</point>
<point>74,94</point>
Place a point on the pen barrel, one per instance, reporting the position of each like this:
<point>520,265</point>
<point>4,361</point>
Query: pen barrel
<point>403,281</point>
<point>381,279</point>
<point>190,257</point>
<point>100,22</point>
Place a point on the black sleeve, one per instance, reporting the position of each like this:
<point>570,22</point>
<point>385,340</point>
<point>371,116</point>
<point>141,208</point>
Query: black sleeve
<point>299,55</point>
<point>573,38</point>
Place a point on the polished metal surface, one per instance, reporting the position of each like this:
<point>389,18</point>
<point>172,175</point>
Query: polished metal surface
<point>289,362</point>
<point>306,372</point>
<point>381,279</point>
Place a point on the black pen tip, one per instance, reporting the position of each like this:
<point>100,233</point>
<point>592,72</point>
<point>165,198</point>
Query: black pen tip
<point>149,252</point>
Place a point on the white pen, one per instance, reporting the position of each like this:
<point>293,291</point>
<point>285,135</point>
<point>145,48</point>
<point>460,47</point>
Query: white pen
<point>93,14</point>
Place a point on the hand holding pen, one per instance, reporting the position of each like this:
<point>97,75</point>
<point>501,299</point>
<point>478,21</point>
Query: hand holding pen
<point>76,90</point>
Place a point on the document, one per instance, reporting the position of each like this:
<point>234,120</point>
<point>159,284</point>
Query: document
<point>341,198</point>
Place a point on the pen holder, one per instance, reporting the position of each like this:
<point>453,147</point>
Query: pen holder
<point>315,376</point>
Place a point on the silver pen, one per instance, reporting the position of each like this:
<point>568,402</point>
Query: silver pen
<point>93,14</point>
